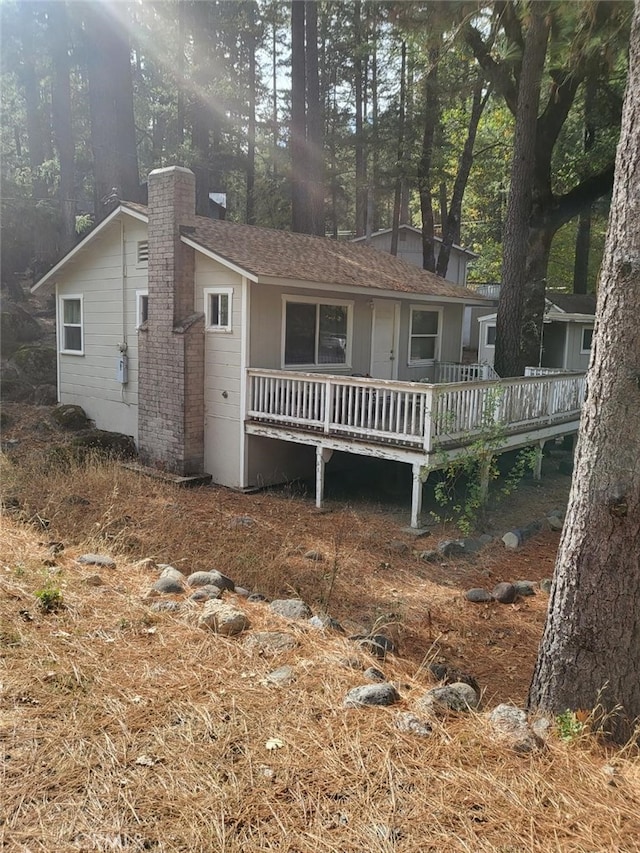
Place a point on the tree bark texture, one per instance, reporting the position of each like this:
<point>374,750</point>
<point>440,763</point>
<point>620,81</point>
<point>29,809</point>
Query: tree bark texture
<point>315,123</point>
<point>451,223</point>
<point>113,134</point>
<point>589,656</point>
<point>61,118</point>
<point>432,116</point>
<point>400,164</point>
<point>299,200</point>
<point>510,358</point>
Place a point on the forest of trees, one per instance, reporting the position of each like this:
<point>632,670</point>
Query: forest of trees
<point>490,124</point>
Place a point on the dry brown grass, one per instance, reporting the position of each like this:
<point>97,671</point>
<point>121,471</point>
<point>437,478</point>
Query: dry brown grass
<point>121,729</point>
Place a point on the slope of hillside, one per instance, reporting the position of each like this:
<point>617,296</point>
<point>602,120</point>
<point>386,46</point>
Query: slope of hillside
<point>124,726</point>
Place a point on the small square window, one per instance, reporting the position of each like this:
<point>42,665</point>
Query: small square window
<point>587,339</point>
<point>71,326</point>
<point>218,308</point>
<point>142,307</point>
<point>424,335</point>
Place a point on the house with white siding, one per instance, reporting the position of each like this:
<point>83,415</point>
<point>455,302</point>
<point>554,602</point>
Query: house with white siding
<point>252,355</point>
<point>567,331</point>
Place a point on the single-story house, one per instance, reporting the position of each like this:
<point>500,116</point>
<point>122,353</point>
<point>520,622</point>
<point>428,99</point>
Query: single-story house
<point>410,250</point>
<point>567,331</point>
<point>182,331</point>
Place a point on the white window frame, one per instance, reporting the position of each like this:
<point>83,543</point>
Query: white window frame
<point>583,350</point>
<point>317,301</point>
<point>420,362</point>
<point>488,326</point>
<point>210,326</point>
<point>140,295</point>
<point>68,297</point>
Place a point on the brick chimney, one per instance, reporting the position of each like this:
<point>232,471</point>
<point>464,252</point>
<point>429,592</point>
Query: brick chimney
<point>171,343</point>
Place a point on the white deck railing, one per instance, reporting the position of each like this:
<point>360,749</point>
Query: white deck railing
<point>410,414</point>
<point>451,371</point>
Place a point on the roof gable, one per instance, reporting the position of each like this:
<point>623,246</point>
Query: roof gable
<point>265,254</point>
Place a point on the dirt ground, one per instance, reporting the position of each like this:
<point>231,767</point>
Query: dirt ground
<point>364,578</point>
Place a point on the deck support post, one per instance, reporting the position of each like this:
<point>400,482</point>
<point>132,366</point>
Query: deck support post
<point>537,471</point>
<point>416,494</point>
<point>323,455</point>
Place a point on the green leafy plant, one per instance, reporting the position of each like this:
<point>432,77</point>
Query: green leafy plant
<point>465,481</point>
<point>570,724</point>
<point>50,598</point>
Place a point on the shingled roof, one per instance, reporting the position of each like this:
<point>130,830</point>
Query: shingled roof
<point>267,254</point>
<point>573,303</point>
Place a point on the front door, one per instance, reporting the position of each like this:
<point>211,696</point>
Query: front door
<point>384,339</point>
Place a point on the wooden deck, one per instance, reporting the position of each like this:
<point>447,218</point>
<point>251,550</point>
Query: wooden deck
<point>421,424</point>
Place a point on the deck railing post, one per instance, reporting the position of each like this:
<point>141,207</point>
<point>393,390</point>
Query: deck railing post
<point>430,415</point>
<point>328,405</point>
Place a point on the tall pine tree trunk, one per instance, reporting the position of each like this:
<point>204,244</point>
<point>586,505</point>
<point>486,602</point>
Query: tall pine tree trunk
<point>400,164</point>
<point>432,115</point>
<point>583,236</point>
<point>451,224</point>
<point>299,201</point>
<point>315,122</point>
<point>589,656</point>
<point>513,353</point>
<point>360,82</point>
<point>61,117</point>
<point>113,133</point>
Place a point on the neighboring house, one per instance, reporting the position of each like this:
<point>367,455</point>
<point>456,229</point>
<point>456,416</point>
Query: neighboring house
<point>566,333</point>
<point>410,249</point>
<point>176,329</point>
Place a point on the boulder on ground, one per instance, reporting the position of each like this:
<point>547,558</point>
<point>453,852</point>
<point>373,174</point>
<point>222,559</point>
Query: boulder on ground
<point>505,593</point>
<point>71,417</point>
<point>17,327</point>
<point>222,618</point>
<point>453,697</point>
<point>212,578</point>
<point>291,608</point>
<point>38,365</point>
<point>371,694</point>
<point>115,445</point>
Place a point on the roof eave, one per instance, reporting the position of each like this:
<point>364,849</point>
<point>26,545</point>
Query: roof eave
<point>49,278</point>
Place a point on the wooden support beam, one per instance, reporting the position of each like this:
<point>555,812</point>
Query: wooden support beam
<point>537,471</point>
<point>416,494</point>
<point>323,455</point>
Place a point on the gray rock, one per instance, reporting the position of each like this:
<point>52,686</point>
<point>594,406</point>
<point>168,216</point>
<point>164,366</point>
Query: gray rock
<point>555,522</point>
<point>290,608</point>
<point>171,572</point>
<point>472,546</point>
<point>325,622</point>
<point>478,595</point>
<point>510,724</point>
<point>223,618</point>
<point>485,539</point>
<point>270,642</point>
<point>206,593</point>
<point>505,593</point>
<point>397,546</point>
<point>316,556</point>
<point>525,588</point>
<point>211,578</point>
<point>71,417</point>
<point>371,694</point>
<point>431,556</point>
<point>452,548</point>
<point>450,675</point>
<point>373,674</point>
<point>168,585</point>
<point>97,560</point>
<point>256,596</point>
<point>281,677</point>
<point>242,521</point>
<point>555,513</point>
<point>512,540</point>
<point>242,592</point>
<point>546,584</point>
<point>376,644</point>
<point>93,580</point>
<point>451,697</point>
<point>45,395</point>
<point>542,727</point>
<point>166,607</point>
<point>407,722</point>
